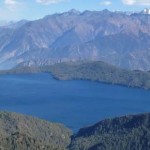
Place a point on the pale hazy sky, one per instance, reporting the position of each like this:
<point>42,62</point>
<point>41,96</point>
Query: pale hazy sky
<point>35,9</point>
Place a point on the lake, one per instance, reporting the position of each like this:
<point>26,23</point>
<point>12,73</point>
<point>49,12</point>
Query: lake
<point>74,103</point>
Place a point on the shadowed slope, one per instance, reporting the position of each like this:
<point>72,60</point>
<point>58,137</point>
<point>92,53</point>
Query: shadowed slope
<point>124,133</point>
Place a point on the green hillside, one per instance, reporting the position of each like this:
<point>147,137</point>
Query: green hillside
<point>20,132</point>
<point>100,72</point>
<point>124,133</point>
<point>94,71</point>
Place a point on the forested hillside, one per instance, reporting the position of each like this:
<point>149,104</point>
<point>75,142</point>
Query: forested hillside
<point>19,132</point>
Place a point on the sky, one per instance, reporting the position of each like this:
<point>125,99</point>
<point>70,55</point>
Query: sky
<point>35,9</point>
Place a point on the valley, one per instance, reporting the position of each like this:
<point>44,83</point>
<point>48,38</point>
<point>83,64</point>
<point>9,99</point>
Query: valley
<point>24,132</point>
<point>72,69</point>
<point>75,103</point>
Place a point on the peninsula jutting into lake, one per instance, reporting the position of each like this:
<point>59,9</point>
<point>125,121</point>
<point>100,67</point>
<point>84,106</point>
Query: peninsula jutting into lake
<point>74,79</point>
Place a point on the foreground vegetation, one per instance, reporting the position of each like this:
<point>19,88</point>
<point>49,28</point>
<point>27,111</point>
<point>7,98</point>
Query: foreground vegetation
<point>124,133</point>
<point>19,132</point>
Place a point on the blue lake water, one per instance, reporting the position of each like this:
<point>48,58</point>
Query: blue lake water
<point>75,103</point>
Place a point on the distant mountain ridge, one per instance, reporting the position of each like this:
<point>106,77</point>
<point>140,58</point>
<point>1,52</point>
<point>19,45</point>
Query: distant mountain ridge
<point>114,37</point>
<point>12,24</point>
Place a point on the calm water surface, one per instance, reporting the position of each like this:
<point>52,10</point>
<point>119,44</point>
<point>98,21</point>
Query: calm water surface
<point>74,103</point>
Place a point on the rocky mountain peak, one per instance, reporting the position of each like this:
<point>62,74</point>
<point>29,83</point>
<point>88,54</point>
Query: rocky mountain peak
<point>146,11</point>
<point>73,36</point>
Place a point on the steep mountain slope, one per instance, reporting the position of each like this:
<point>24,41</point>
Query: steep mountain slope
<point>124,133</point>
<point>19,132</point>
<point>115,37</point>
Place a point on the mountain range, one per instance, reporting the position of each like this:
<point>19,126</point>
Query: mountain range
<point>118,38</point>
